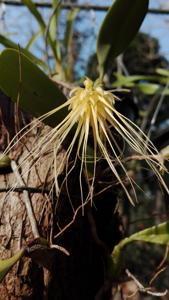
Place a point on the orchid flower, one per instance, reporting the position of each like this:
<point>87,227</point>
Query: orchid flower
<point>91,110</point>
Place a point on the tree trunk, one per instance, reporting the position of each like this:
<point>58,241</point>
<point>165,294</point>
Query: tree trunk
<point>89,238</point>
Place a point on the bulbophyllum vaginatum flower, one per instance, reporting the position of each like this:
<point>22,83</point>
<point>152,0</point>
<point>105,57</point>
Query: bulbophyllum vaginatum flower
<point>91,110</point>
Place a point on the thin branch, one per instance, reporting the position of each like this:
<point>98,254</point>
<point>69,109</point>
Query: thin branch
<point>20,189</point>
<point>161,268</point>
<point>143,289</point>
<point>64,84</point>
<point>164,258</point>
<point>157,274</point>
<point>26,201</point>
<point>60,248</point>
<point>149,111</point>
<point>156,112</point>
<point>67,6</point>
<point>73,219</point>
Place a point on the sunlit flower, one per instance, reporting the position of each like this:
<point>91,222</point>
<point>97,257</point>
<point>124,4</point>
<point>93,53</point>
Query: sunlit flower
<point>92,112</point>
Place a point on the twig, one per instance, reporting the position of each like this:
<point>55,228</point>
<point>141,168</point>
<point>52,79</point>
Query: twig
<point>149,111</point>
<point>164,258</point>
<point>160,102</point>
<point>139,157</point>
<point>68,86</point>
<point>157,274</point>
<point>73,219</point>
<point>20,189</point>
<point>161,268</point>
<point>70,5</point>
<point>142,289</point>
<point>26,201</point>
<point>60,248</point>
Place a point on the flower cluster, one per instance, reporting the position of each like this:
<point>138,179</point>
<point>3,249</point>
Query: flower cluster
<point>91,111</point>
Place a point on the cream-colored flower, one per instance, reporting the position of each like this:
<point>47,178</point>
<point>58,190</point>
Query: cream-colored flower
<point>92,110</point>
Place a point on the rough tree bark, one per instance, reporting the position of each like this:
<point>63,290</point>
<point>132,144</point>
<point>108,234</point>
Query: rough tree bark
<point>89,238</point>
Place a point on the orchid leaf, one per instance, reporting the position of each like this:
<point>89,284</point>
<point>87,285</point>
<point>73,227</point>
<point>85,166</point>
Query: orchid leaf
<point>55,20</point>
<point>34,11</point>
<point>10,44</point>
<point>33,39</point>
<point>152,88</point>
<point>158,234</point>
<point>68,38</point>
<point>162,72</point>
<point>32,8</point>
<point>119,27</point>
<point>148,88</point>
<point>69,28</point>
<point>28,85</point>
<point>144,83</point>
<point>131,80</point>
<point>7,264</point>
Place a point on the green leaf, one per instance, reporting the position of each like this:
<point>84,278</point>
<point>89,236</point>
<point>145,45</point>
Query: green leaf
<point>148,88</point>
<point>68,38</point>
<point>119,27</point>
<point>33,39</point>
<point>152,88</point>
<point>10,44</point>
<point>162,72</point>
<point>23,81</point>
<point>124,81</point>
<point>7,264</point>
<point>131,81</point>
<point>32,8</point>
<point>157,235</point>
<point>55,20</point>
<point>69,28</point>
<point>52,32</point>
